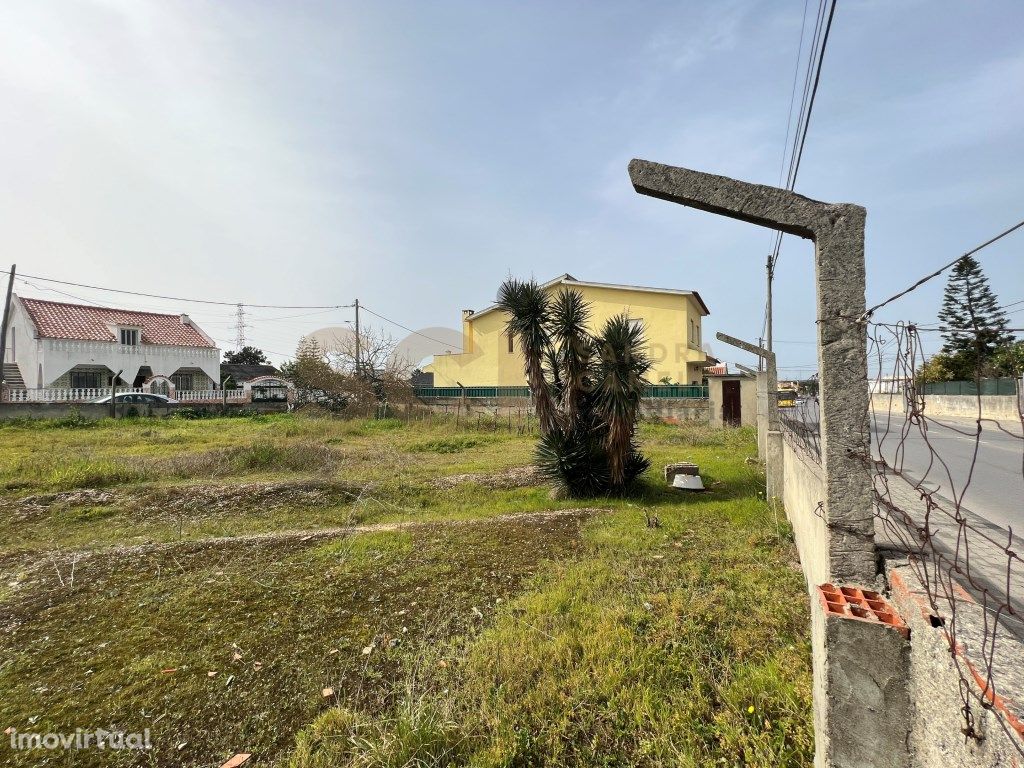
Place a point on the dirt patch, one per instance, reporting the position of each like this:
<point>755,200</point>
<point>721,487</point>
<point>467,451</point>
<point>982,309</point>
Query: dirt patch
<point>93,497</point>
<point>197,500</point>
<point>516,477</point>
<point>226,645</point>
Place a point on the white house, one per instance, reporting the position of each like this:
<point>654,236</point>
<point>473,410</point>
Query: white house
<point>53,344</point>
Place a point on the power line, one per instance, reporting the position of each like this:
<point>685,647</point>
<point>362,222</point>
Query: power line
<point>792,93</point>
<point>810,92</point>
<point>404,327</point>
<point>869,312</point>
<point>803,127</point>
<point>179,298</point>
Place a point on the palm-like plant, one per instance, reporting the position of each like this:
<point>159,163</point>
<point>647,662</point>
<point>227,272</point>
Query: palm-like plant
<point>587,390</point>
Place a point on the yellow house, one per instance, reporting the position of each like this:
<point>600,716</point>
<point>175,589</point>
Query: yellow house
<point>671,319</point>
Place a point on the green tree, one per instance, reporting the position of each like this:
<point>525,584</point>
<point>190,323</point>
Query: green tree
<point>941,367</point>
<point>314,379</point>
<point>587,389</point>
<point>1009,360</point>
<point>246,356</point>
<point>973,325</point>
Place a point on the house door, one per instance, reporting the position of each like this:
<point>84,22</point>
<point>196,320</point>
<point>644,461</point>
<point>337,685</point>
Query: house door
<point>731,403</point>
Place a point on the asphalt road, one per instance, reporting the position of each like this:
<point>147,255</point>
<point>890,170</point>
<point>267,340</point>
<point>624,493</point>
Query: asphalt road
<point>985,471</point>
<point>982,475</point>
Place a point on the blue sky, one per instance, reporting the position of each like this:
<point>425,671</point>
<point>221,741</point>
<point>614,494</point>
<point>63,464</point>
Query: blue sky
<point>414,154</point>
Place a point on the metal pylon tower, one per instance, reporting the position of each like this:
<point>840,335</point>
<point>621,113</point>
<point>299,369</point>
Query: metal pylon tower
<point>239,326</point>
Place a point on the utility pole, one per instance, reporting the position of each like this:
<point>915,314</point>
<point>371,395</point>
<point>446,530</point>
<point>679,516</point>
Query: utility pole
<point>357,336</point>
<point>6,320</point>
<point>770,271</point>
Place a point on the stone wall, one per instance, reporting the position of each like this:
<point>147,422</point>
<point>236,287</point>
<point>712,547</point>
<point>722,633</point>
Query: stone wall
<point>95,411</point>
<point>670,409</point>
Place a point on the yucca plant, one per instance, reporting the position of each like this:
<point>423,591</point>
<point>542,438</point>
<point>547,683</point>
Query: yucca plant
<point>587,389</point>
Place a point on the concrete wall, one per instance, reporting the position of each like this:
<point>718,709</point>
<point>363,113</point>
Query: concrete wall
<point>936,736</point>
<point>94,411</point>
<point>748,400</point>
<point>669,409</point>
<point>885,402</point>
<point>804,492</point>
<point>967,406</point>
<point>22,347</point>
<point>1000,407</point>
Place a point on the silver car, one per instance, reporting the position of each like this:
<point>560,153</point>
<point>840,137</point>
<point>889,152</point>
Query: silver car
<point>139,398</point>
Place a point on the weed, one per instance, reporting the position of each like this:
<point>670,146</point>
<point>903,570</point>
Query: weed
<point>448,444</point>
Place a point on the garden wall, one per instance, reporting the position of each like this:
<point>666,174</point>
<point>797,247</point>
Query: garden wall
<point>96,411</point>
<point>670,409</point>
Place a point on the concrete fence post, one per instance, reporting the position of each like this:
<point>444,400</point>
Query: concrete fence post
<point>769,436</point>
<point>861,669</point>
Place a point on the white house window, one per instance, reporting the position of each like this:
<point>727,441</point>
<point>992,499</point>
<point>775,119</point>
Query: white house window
<point>182,381</point>
<point>86,380</point>
<point>130,337</point>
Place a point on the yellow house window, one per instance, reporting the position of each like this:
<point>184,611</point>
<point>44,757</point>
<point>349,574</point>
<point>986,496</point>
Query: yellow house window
<point>511,344</point>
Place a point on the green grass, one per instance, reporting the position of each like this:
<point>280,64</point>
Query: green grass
<point>549,641</point>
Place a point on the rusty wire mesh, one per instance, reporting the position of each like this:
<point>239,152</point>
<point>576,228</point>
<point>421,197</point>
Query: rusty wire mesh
<point>933,478</point>
<point>801,426</point>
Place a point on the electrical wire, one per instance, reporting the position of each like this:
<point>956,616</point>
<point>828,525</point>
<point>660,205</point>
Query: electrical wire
<point>403,327</point>
<point>178,298</point>
<point>869,312</point>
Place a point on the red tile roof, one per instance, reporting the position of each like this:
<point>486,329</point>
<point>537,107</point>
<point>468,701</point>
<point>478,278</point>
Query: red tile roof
<point>56,320</point>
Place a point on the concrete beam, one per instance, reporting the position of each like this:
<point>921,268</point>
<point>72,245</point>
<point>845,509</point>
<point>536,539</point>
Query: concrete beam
<point>749,372</point>
<point>837,231</point>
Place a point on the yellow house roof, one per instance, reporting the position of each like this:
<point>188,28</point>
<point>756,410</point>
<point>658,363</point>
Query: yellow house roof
<point>568,279</point>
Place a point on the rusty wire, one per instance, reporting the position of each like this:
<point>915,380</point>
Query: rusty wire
<point>801,427</point>
<point>966,565</point>
<point>961,562</point>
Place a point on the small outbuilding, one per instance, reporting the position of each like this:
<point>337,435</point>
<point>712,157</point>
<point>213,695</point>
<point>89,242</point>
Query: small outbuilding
<point>241,373</point>
<point>732,398</point>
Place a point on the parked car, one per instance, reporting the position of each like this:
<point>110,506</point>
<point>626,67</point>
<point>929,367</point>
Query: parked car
<point>786,398</point>
<point>139,398</point>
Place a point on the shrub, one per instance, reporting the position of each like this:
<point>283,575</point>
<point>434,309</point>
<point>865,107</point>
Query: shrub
<point>587,389</point>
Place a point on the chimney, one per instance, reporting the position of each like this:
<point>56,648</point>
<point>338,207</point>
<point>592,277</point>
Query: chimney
<point>186,320</point>
<point>467,331</point>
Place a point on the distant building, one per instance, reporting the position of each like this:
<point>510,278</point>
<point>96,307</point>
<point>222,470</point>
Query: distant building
<point>54,344</point>
<point>671,319</point>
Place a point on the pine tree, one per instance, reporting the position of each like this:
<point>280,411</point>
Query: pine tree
<point>974,327</point>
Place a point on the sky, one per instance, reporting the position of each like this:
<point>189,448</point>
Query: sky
<point>413,155</point>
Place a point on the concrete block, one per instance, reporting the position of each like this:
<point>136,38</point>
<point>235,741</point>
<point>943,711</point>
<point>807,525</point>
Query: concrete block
<point>862,705</point>
<point>680,468</point>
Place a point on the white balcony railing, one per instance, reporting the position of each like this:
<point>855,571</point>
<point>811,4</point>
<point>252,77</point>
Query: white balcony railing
<point>211,395</point>
<point>150,350</point>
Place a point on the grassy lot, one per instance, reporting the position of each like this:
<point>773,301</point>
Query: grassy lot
<point>322,592</point>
